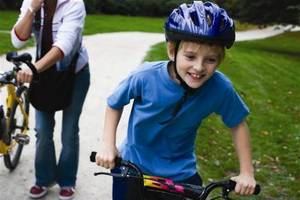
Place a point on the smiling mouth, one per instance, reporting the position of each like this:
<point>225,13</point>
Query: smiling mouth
<point>196,76</point>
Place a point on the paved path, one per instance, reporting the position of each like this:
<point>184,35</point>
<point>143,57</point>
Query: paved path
<point>112,57</point>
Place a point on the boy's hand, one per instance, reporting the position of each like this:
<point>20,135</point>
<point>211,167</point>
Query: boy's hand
<point>245,184</point>
<point>106,156</point>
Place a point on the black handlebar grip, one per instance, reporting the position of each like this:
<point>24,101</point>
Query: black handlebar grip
<point>11,55</point>
<point>93,156</point>
<point>233,183</point>
<point>118,160</point>
<point>257,189</point>
<point>14,57</point>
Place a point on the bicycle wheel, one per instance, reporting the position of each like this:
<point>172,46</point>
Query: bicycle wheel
<point>17,123</point>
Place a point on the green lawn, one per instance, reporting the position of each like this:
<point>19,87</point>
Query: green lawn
<point>7,19</point>
<point>115,23</point>
<point>266,73</point>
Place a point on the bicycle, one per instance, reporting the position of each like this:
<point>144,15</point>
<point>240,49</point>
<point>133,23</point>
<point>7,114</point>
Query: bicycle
<point>167,186</point>
<point>14,114</point>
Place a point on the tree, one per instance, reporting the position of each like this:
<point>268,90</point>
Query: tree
<point>10,4</point>
<point>269,11</point>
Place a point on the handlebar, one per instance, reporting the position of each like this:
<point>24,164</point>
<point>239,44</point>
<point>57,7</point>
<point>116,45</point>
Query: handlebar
<point>22,58</point>
<point>167,185</point>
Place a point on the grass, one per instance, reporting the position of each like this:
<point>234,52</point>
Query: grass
<point>266,73</point>
<point>7,19</point>
<point>115,23</point>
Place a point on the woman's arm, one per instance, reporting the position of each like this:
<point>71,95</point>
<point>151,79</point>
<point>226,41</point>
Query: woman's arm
<point>245,180</point>
<point>106,156</point>
<point>22,29</point>
<point>53,56</point>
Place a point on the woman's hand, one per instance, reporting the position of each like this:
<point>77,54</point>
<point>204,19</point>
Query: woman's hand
<point>245,184</point>
<point>25,75</point>
<point>36,5</point>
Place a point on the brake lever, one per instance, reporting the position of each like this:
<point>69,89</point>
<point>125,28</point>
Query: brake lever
<point>109,174</point>
<point>225,193</point>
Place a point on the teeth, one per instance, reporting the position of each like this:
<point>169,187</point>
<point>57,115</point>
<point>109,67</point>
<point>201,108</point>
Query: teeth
<point>195,75</point>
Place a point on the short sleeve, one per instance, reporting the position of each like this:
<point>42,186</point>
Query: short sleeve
<point>232,108</point>
<point>128,89</point>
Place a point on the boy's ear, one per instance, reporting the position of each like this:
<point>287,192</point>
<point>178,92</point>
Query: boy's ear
<point>171,50</point>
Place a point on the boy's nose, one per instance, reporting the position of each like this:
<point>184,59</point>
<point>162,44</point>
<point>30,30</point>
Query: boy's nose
<point>199,66</point>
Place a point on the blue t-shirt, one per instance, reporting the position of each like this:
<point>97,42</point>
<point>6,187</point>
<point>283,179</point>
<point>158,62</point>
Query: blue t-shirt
<point>168,149</point>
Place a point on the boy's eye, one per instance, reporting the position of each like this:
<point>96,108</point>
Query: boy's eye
<point>211,60</point>
<point>190,57</point>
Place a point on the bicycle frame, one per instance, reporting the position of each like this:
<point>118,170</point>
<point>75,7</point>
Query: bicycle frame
<point>10,99</point>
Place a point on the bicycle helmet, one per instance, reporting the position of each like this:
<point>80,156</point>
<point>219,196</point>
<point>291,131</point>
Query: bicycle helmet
<point>200,22</point>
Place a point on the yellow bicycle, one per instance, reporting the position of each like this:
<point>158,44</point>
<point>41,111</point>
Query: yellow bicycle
<point>14,112</point>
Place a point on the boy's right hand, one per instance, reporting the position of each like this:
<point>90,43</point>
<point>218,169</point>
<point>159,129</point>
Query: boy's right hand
<point>106,156</point>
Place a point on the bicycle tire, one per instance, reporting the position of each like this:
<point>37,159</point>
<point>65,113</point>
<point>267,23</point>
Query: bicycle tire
<point>11,159</point>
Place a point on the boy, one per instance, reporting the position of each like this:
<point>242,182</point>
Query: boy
<point>171,98</point>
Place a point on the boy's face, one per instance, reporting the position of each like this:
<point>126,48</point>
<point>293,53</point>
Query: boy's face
<point>196,62</point>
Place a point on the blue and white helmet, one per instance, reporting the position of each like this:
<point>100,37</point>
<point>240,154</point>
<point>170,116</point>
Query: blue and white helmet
<point>200,22</point>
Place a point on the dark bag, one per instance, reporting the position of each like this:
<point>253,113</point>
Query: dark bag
<point>53,90</point>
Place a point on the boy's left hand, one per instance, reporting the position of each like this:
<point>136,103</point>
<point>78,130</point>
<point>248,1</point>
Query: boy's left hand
<point>245,184</point>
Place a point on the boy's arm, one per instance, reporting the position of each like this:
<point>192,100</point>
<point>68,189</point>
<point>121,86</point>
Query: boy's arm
<point>245,180</point>
<point>106,156</point>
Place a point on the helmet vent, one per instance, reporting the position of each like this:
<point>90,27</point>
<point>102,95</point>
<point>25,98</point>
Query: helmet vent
<point>194,18</point>
<point>208,19</point>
